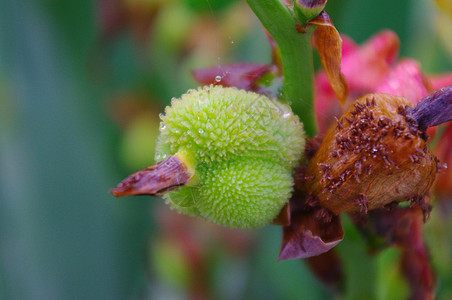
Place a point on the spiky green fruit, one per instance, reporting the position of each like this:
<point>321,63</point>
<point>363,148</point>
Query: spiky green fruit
<point>242,146</point>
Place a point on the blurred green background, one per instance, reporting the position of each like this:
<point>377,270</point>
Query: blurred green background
<point>81,86</point>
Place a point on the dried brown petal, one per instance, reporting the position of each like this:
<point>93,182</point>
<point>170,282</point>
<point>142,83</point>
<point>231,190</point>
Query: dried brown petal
<point>375,157</point>
<point>306,237</point>
<point>313,230</point>
<point>155,180</point>
<point>329,45</point>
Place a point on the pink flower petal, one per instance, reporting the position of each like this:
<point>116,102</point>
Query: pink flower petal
<point>364,67</point>
<point>368,66</point>
<point>441,80</point>
<point>407,80</point>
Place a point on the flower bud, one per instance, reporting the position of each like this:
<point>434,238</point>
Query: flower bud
<point>309,9</point>
<point>374,155</point>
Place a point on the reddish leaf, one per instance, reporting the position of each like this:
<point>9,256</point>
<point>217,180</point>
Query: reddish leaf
<point>313,230</point>
<point>402,228</point>
<point>416,266</point>
<point>239,75</point>
<point>329,45</point>
<point>328,268</point>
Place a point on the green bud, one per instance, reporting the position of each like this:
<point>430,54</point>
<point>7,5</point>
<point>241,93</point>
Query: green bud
<point>308,9</point>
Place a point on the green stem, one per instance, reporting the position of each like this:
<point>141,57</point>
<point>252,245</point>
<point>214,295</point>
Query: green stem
<point>296,55</point>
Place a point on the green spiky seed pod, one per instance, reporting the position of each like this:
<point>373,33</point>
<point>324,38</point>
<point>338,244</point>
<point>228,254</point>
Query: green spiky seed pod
<point>242,146</point>
<point>216,123</point>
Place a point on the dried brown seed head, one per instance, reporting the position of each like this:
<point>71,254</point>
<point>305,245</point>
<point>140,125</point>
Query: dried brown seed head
<point>375,157</point>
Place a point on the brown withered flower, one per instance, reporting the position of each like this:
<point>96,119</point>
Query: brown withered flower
<point>375,154</point>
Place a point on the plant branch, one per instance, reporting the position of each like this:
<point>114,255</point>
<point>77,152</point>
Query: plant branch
<point>296,54</point>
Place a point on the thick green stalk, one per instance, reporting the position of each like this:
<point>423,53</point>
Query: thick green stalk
<point>296,54</point>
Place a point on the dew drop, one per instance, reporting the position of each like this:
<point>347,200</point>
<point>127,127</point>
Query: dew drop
<point>162,126</point>
<point>157,156</point>
<point>200,131</point>
<point>161,115</point>
<point>286,115</point>
<point>218,78</point>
